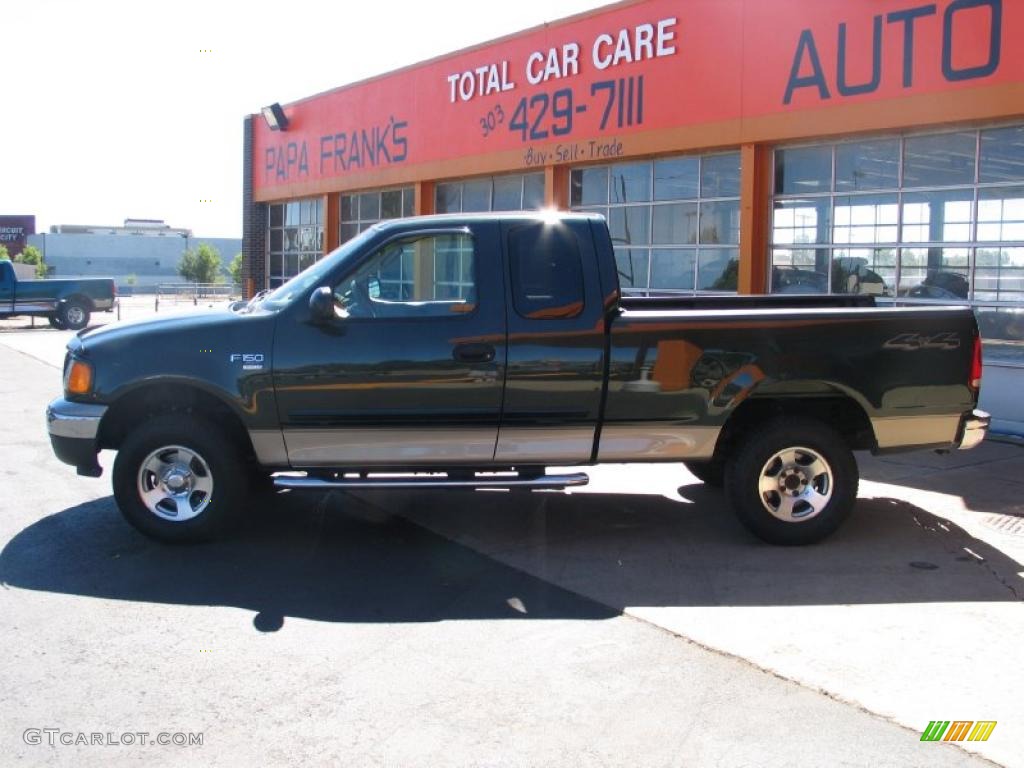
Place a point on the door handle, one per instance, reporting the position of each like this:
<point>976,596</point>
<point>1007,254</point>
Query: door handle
<point>473,353</point>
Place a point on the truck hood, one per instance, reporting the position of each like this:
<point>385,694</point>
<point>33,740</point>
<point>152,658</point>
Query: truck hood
<point>193,326</point>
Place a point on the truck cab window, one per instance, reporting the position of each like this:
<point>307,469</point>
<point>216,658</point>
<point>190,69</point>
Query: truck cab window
<point>418,276</point>
<point>547,273</point>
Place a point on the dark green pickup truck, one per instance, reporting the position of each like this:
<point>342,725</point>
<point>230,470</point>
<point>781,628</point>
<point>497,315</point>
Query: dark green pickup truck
<point>477,351</point>
<point>65,303</point>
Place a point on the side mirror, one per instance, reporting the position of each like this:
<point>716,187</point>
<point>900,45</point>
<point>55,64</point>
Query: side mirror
<point>321,305</point>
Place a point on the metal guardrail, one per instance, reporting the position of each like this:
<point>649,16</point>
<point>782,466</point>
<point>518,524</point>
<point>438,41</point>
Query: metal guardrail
<point>177,293</point>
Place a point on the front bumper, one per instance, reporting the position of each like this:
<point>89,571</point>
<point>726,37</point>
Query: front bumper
<point>73,428</point>
<point>973,429</point>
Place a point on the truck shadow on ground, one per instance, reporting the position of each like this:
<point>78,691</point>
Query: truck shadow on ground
<point>384,557</point>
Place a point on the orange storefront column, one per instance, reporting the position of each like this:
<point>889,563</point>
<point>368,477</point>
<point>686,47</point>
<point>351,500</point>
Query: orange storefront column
<point>423,202</point>
<point>332,222</point>
<point>755,217</point>
<point>556,187</point>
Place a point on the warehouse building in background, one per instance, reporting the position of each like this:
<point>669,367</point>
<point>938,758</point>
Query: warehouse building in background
<point>796,146</point>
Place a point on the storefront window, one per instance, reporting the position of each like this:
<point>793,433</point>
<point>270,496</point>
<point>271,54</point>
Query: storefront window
<point>361,211</point>
<point>937,217</point>
<point>674,222</point>
<point>296,238</point>
<point>512,192</point>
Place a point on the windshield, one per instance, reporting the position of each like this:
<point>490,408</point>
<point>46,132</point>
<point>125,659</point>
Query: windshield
<point>313,275</point>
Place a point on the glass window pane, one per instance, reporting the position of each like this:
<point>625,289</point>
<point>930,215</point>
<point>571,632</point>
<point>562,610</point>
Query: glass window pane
<point>318,211</point>
<point>675,224</point>
<point>717,269</point>
<point>1002,154</point>
<point>720,222</point>
<point>391,204</point>
<point>291,264</point>
<point>1001,214</point>
<point>291,213</point>
<point>276,262</point>
<point>291,239</point>
<point>408,201</point>
<point>865,271</point>
<point>533,191</point>
<point>677,178</point>
<point>277,215</point>
<point>942,160</point>
<point>417,277</point>
<point>934,273</point>
<point>631,183</point>
<point>673,269</point>
<point>800,270</point>
<point>476,195</point>
<point>348,231</point>
<point>547,272</point>
<point>999,275</point>
<point>937,217</point>
<point>508,193</point>
<point>305,211</point>
<point>276,240</point>
<point>865,219</point>
<point>630,225</point>
<point>349,208</point>
<point>797,222</point>
<point>448,198</point>
<point>632,264</point>
<point>868,165</point>
<point>720,175</point>
<point>588,186</point>
<point>802,170</point>
<point>369,206</point>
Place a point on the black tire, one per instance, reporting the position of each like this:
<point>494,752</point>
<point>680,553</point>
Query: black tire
<point>56,322</point>
<point>219,469</point>
<point>818,496</point>
<point>74,314</point>
<point>711,473</point>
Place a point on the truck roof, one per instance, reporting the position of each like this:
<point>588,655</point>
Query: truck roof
<point>443,219</point>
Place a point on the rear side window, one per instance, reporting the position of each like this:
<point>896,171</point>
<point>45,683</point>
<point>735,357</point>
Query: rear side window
<point>547,273</point>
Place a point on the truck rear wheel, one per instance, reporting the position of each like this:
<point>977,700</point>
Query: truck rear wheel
<point>74,314</point>
<point>56,322</point>
<point>178,479</point>
<point>794,482</point>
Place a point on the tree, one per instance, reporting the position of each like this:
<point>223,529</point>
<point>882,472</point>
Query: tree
<point>32,255</point>
<point>235,269</point>
<point>3,253</point>
<point>201,265</point>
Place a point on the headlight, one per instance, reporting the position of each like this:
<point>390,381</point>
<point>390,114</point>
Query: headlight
<point>78,378</point>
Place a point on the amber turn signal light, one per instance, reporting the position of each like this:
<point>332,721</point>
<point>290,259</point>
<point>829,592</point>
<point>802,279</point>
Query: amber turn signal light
<point>79,379</point>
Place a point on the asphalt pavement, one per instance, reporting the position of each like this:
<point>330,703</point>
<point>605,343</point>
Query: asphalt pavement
<point>636,623</point>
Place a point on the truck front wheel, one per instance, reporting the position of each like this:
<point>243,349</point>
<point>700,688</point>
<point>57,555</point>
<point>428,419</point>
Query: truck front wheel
<point>178,479</point>
<point>73,314</point>
<point>794,482</point>
<point>56,322</point>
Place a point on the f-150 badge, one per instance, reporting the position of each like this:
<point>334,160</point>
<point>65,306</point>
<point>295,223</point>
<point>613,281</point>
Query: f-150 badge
<point>251,361</point>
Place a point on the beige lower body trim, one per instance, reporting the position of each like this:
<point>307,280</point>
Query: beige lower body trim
<point>906,431</point>
<point>646,441</point>
<point>376,446</point>
<point>268,444</point>
<point>545,445</point>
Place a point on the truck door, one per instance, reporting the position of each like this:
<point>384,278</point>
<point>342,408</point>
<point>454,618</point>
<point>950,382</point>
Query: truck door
<point>6,287</point>
<point>556,344</point>
<point>411,372</point>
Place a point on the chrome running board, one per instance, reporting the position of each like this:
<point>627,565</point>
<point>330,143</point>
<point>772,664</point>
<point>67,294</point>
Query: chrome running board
<point>537,482</point>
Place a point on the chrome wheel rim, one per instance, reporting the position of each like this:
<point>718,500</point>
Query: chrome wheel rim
<point>796,484</point>
<point>75,315</point>
<point>175,483</point>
